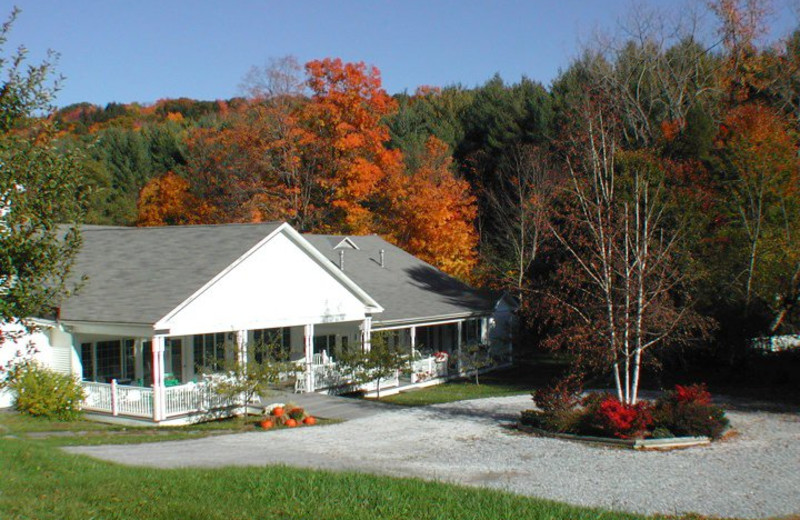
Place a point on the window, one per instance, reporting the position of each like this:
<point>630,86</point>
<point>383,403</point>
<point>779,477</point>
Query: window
<point>428,339</point>
<point>209,351</point>
<point>173,359</point>
<point>106,360</point>
<point>87,361</point>
<point>271,337</point>
<point>109,360</point>
<point>326,342</point>
<point>471,331</point>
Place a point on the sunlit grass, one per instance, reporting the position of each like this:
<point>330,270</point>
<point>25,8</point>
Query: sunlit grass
<point>42,482</point>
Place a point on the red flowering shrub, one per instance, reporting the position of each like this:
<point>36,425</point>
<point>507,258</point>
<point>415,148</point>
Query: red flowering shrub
<point>622,420</point>
<point>695,394</point>
<point>683,411</point>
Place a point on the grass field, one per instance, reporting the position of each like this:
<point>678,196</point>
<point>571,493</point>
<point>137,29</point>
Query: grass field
<point>42,482</point>
<point>84,432</point>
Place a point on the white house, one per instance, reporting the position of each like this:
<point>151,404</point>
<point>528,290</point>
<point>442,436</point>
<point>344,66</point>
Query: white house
<point>160,303</point>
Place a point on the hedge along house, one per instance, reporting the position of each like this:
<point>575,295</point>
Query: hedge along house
<point>161,304</point>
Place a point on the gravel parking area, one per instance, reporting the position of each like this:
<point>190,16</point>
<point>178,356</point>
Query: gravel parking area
<point>755,474</point>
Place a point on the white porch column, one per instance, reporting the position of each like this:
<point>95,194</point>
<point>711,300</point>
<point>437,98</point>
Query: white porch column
<point>158,378</point>
<point>412,332</point>
<point>485,330</point>
<point>241,347</point>
<point>459,325</point>
<point>366,334</point>
<point>138,356</point>
<point>308,345</point>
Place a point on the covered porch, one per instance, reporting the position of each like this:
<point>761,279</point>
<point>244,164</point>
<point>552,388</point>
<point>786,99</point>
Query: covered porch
<point>434,351</point>
<point>169,378</point>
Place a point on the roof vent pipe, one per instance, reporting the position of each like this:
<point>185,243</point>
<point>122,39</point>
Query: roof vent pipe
<point>341,260</point>
<point>383,254</point>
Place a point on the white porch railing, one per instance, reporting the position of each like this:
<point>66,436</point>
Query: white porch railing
<point>329,375</point>
<point>136,401</point>
<point>387,382</point>
<point>98,396</point>
<point>427,368</point>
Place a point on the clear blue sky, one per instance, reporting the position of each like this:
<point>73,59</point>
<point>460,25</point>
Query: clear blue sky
<point>144,50</point>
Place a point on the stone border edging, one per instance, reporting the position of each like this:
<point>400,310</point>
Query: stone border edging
<point>631,444</point>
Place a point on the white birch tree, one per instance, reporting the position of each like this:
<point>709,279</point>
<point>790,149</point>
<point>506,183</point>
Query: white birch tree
<point>621,238</point>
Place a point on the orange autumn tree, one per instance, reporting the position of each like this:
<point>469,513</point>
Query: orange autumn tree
<point>252,167</point>
<point>322,163</point>
<point>762,190</point>
<point>345,139</point>
<point>742,74</point>
<point>432,212</point>
<point>167,201</point>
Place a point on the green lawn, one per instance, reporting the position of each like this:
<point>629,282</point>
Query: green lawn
<point>85,432</point>
<point>513,381</point>
<point>42,482</point>
<point>453,391</point>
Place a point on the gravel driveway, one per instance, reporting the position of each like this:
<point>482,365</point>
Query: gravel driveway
<point>755,474</point>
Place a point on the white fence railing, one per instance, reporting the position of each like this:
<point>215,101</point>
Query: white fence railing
<point>136,401</point>
<point>386,382</point>
<point>330,376</point>
<point>98,396</point>
<point>427,368</point>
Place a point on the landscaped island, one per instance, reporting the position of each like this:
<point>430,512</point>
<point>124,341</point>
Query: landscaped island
<point>685,411</point>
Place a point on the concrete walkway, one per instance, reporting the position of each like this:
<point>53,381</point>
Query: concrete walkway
<point>329,406</point>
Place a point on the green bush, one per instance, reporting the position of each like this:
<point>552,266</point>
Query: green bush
<point>560,421</point>
<point>687,410</point>
<point>42,392</point>
<point>691,419</point>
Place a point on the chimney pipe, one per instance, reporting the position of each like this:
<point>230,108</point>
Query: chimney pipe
<point>382,258</point>
<point>341,260</point>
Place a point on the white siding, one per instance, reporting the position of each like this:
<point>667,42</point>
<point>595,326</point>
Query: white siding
<point>64,359</point>
<point>36,346</point>
<point>277,285</point>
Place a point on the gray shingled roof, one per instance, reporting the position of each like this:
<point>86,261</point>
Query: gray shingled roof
<point>138,275</point>
<point>407,288</point>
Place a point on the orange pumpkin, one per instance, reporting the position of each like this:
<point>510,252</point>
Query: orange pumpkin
<point>310,421</point>
<point>291,423</point>
<point>266,424</point>
<point>277,412</point>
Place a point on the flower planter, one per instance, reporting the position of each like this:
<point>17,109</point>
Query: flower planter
<point>669,443</point>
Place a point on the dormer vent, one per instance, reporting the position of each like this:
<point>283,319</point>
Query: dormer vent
<point>346,243</point>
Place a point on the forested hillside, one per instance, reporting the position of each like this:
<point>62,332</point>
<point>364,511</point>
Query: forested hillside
<point>651,191</point>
